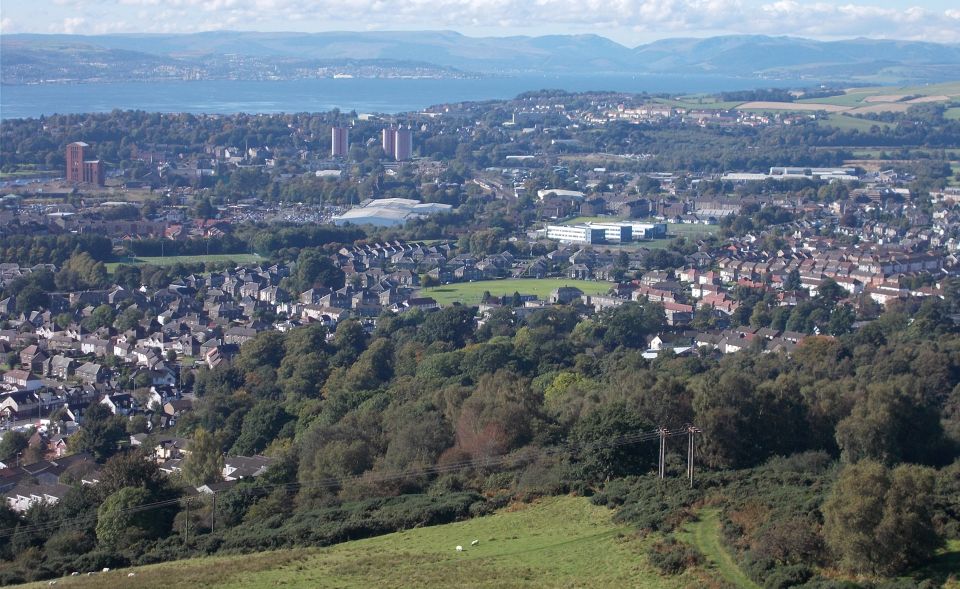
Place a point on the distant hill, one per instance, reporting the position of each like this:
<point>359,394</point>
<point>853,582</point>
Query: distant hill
<point>450,53</point>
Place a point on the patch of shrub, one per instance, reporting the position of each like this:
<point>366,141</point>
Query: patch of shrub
<point>787,576</point>
<point>671,556</point>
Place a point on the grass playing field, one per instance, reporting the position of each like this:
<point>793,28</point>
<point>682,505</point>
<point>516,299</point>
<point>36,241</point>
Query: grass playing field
<point>171,260</point>
<point>470,293</point>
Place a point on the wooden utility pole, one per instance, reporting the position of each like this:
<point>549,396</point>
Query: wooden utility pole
<point>691,432</point>
<point>663,452</point>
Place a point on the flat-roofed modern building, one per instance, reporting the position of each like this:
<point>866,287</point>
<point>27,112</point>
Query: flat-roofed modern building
<point>649,230</point>
<point>576,233</point>
<point>622,232</point>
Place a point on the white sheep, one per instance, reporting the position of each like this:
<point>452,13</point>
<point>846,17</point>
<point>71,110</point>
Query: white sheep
<point>106,569</point>
<point>74,574</point>
<point>52,583</point>
<point>475,542</point>
<point>459,548</point>
<point>131,574</point>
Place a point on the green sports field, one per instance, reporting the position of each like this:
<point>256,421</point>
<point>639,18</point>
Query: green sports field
<point>171,260</point>
<point>470,293</point>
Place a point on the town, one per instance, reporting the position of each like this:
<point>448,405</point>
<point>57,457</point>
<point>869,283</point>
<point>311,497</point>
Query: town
<point>142,256</point>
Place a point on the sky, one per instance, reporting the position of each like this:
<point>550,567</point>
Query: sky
<point>630,22</point>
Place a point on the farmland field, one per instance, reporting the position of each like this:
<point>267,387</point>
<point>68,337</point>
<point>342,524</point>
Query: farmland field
<point>846,123</point>
<point>797,106</point>
<point>865,100</point>
<point>470,293</point>
<point>697,102</point>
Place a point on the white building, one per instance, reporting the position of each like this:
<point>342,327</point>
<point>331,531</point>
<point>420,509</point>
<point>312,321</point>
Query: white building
<point>792,172</point>
<point>574,194</point>
<point>621,232</point>
<point>389,212</point>
<point>576,233</point>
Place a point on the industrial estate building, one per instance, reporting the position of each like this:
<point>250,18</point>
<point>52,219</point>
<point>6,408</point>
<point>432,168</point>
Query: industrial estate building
<point>795,173</point>
<point>389,212</point>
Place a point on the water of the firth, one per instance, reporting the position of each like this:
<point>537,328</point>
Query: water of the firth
<point>382,95</point>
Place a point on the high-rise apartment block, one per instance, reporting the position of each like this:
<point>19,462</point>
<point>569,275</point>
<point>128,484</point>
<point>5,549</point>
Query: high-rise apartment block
<point>81,170</point>
<point>389,141</point>
<point>403,148</point>
<point>398,143</point>
<point>339,141</point>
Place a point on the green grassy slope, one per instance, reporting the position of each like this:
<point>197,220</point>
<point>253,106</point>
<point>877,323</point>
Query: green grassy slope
<point>557,542</point>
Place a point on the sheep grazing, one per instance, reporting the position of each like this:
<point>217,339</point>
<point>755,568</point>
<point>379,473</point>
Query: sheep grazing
<point>52,583</point>
<point>475,542</point>
<point>106,569</point>
<point>74,574</point>
<point>459,548</point>
<point>131,574</point>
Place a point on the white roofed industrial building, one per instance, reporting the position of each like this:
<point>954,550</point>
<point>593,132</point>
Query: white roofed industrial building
<point>389,212</point>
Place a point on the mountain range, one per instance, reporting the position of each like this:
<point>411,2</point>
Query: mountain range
<point>30,57</point>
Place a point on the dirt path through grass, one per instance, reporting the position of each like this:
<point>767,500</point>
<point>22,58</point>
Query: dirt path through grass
<point>705,535</point>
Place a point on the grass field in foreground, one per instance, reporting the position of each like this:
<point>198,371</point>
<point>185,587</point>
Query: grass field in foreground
<point>556,542</point>
<point>553,543</point>
<point>171,260</point>
<point>470,293</point>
